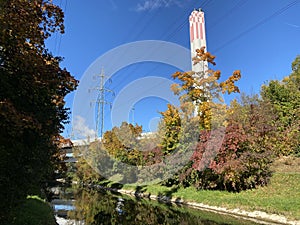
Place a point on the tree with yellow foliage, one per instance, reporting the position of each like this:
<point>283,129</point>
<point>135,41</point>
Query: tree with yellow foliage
<point>205,92</point>
<point>201,110</point>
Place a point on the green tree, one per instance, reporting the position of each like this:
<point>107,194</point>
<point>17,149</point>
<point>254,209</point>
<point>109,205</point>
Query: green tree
<point>32,91</point>
<point>284,99</point>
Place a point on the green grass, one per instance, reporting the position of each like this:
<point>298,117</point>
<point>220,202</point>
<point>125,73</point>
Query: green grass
<point>34,211</point>
<point>281,196</point>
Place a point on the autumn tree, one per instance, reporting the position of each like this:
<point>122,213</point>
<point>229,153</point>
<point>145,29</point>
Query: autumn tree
<point>92,162</point>
<point>241,159</point>
<point>32,91</point>
<point>258,128</point>
<point>122,142</point>
<point>170,128</point>
<point>247,145</point>
<point>284,99</point>
<point>203,90</point>
<point>201,108</point>
<point>233,151</point>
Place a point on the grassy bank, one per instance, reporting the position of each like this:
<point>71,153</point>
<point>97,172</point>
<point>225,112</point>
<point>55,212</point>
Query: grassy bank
<point>281,196</point>
<point>34,211</point>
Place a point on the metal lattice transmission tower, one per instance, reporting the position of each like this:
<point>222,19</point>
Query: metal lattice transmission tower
<point>100,103</point>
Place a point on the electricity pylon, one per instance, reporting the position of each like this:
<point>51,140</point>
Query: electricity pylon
<point>100,103</point>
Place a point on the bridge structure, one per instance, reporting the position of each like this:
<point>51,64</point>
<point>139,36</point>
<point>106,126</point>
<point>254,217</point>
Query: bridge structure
<point>68,145</point>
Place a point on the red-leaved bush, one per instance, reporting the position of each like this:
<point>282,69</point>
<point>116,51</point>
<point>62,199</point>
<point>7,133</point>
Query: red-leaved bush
<point>228,163</point>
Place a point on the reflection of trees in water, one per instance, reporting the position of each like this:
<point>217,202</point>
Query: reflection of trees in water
<point>100,207</point>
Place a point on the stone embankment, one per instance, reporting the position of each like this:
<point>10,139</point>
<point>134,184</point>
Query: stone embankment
<point>255,216</point>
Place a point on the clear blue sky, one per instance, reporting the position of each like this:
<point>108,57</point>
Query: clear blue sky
<point>259,37</point>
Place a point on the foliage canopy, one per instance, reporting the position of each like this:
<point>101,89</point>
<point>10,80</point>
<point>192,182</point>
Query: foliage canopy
<point>32,91</point>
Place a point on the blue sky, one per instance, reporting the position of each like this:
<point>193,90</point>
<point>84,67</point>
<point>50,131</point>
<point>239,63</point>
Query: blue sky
<point>259,37</point>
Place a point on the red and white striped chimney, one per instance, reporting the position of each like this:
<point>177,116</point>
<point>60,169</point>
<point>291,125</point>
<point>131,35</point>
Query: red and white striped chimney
<point>198,39</point>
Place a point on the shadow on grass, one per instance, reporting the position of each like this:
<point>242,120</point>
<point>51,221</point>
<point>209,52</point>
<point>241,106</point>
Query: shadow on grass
<point>166,196</point>
<point>117,186</point>
<point>33,211</point>
<point>139,192</point>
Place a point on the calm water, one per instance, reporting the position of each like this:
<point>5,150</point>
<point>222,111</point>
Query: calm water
<point>89,206</point>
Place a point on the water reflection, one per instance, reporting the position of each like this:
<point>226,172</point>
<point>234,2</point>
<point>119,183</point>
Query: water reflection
<point>102,207</point>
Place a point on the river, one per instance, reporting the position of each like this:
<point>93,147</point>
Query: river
<point>99,206</point>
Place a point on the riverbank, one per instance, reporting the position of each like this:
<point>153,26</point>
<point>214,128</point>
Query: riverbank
<point>255,216</point>
<point>278,202</point>
<point>34,211</point>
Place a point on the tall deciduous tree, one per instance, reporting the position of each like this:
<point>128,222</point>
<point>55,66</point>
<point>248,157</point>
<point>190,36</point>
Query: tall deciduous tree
<point>201,104</point>
<point>203,91</point>
<point>123,144</point>
<point>32,91</point>
<point>284,99</point>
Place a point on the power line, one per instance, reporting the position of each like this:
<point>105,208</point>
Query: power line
<point>260,23</point>
<point>174,32</point>
<point>238,5</point>
<point>122,54</point>
<point>127,37</point>
<point>56,33</point>
<point>137,35</point>
<point>167,36</point>
<point>60,36</point>
<point>228,13</point>
<point>205,3</point>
